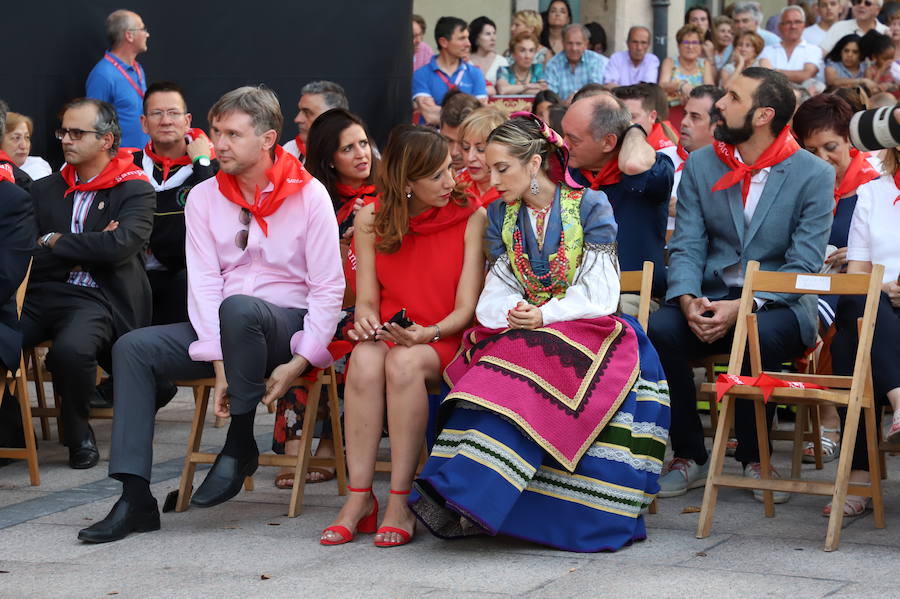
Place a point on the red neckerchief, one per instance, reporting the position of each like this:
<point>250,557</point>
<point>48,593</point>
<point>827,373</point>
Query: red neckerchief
<point>137,68</point>
<point>301,145</point>
<point>782,148</point>
<point>287,176</point>
<point>120,168</point>
<point>858,172</point>
<point>608,175</point>
<point>683,154</point>
<point>349,195</point>
<point>658,138</point>
<point>167,163</point>
<point>471,190</point>
<point>6,169</point>
<point>897,184</point>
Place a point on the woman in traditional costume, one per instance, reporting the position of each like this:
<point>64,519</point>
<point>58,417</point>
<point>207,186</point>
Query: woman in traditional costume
<point>556,425</point>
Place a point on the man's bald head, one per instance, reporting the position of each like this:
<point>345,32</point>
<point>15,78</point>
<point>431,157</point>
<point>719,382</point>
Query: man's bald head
<point>592,129</point>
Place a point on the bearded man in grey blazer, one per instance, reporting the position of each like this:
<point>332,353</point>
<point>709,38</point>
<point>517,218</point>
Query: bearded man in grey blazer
<point>752,195</point>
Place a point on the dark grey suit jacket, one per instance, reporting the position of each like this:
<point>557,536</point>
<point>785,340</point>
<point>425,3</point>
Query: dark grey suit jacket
<point>788,232</point>
<point>113,258</point>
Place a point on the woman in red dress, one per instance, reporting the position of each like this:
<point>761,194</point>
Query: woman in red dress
<point>418,248</point>
<point>475,180</point>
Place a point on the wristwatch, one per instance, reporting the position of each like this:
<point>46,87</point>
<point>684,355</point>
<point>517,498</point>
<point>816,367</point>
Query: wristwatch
<point>44,239</point>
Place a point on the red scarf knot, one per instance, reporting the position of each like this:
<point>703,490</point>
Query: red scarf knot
<point>348,196</point>
<point>658,139</point>
<point>683,154</point>
<point>121,168</point>
<point>858,172</point>
<point>301,146</point>
<point>608,175</point>
<point>286,175</point>
<point>167,163</point>
<point>782,148</point>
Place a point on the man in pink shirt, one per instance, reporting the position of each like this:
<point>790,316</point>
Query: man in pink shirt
<point>264,296</point>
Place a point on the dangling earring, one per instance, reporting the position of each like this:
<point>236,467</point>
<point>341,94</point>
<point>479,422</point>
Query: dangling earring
<point>534,185</point>
<point>408,195</point>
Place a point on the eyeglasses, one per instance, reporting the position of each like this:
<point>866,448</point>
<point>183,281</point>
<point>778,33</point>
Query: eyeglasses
<point>240,240</point>
<point>74,134</point>
<point>158,114</point>
<point>144,29</point>
<point>690,43</point>
<point>863,2</point>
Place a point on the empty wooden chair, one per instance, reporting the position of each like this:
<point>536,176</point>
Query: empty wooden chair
<point>853,392</point>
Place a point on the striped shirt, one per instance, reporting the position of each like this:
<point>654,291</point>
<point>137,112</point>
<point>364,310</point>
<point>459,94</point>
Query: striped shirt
<point>81,205</point>
<point>565,81</point>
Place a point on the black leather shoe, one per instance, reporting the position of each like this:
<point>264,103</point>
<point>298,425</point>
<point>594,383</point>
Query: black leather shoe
<point>103,395</point>
<point>122,520</point>
<point>85,454</point>
<point>225,479</point>
<point>165,391</point>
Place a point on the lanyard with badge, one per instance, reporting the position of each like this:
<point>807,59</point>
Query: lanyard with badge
<point>137,68</point>
<point>457,79</point>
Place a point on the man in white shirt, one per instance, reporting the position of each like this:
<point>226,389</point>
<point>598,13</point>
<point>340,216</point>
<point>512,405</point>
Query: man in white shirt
<point>829,12</point>
<point>316,97</point>
<point>798,60</point>
<point>865,18</point>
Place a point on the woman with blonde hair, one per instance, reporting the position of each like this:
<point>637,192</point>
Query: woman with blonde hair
<point>524,75</point>
<point>475,180</point>
<point>556,425</point>
<point>747,47</point>
<point>419,268</point>
<point>529,21</point>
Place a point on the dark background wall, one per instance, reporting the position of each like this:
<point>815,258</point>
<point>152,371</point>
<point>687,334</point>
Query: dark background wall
<point>211,47</point>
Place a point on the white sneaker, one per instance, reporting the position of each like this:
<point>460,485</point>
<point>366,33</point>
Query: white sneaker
<point>752,471</point>
<point>682,474</point>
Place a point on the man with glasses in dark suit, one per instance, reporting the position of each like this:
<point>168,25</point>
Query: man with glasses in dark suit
<point>88,285</point>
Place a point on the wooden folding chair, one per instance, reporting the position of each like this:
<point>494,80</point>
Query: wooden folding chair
<point>641,282</point>
<point>854,392</point>
<point>18,385</point>
<point>44,410</point>
<point>301,462</point>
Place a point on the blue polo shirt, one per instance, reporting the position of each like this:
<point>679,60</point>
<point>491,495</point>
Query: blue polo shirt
<point>641,206</point>
<point>106,83</point>
<point>467,77</point>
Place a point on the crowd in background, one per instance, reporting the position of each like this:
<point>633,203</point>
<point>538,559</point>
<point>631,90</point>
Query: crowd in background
<point>161,252</point>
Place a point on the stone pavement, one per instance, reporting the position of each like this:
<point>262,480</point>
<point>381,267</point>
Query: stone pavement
<point>249,548</point>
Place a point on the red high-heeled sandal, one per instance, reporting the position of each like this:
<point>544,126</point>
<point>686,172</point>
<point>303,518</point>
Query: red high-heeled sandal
<point>365,526</point>
<point>405,536</point>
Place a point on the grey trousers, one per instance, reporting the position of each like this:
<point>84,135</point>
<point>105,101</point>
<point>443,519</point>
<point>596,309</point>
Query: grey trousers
<point>255,336</point>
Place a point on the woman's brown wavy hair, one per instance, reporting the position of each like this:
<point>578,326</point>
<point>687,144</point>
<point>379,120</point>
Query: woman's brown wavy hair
<point>412,153</point>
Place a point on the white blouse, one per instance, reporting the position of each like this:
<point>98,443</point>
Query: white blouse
<point>873,230</point>
<point>594,292</point>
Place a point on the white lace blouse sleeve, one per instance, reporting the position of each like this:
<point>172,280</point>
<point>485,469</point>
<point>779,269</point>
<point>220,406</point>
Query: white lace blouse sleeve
<point>595,290</point>
<point>499,296</point>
